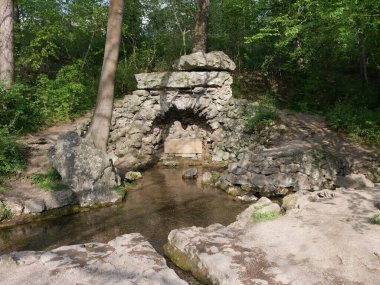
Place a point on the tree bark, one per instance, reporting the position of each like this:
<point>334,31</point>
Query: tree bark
<point>201,26</point>
<point>101,121</point>
<point>363,62</point>
<point>6,43</point>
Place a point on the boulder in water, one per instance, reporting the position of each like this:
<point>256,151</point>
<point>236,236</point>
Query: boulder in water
<point>88,171</point>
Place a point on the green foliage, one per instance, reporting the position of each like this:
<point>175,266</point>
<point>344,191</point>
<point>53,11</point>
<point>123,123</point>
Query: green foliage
<point>49,181</point>
<point>19,111</point>
<point>215,176</point>
<point>64,97</point>
<point>122,189</point>
<point>258,216</point>
<point>375,219</point>
<point>4,188</point>
<point>12,155</point>
<point>5,213</point>
<point>360,123</point>
<point>263,114</point>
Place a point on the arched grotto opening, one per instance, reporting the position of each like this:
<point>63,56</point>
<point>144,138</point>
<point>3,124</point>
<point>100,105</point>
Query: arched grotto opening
<point>182,133</point>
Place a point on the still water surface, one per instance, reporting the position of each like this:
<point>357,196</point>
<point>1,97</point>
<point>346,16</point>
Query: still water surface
<point>162,201</point>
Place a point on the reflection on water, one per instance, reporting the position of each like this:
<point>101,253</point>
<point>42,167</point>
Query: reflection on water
<point>161,202</point>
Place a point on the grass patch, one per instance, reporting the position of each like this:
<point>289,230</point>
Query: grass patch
<point>5,213</point>
<point>258,216</point>
<point>51,181</point>
<point>375,219</point>
<point>262,217</point>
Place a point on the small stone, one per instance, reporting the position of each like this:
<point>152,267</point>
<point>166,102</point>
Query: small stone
<point>234,191</point>
<point>355,181</point>
<point>246,187</point>
<point>58,199</point>
<point>133,176</point>
<point>14,205</point>
<point>289,202</point>
<point>170,163</point>
<point>207,178</point>
<point>190,173</point>
<point>34,206</point>
<point>246,198</point>
<point>263,201</point>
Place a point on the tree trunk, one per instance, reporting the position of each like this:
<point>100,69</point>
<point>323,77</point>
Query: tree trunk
<point>101,121</point>
<point>363,62</point>
<point>201,25</point>
<point>6,43</point>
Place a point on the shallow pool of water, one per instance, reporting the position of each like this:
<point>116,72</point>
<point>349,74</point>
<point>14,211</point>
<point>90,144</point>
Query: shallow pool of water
<point>162,201</point>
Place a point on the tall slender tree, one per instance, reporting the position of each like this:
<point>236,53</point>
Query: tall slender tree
<point>6,42</point>
<point>201,25</point>
<point>101,121</point>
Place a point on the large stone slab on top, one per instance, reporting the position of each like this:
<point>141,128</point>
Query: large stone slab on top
<point>215,60</point>
<point>183,80</point>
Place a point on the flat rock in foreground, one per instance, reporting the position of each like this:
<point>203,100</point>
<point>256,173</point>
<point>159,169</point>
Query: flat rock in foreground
<point>326,242</point>
<point>128,259</point>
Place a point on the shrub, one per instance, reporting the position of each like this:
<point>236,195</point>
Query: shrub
<point>375,219</point>
<point>64,97</point>
<point>360,123</point>
<point>264,114</point>
<point>5,213</point>
<point>19,111</point>
<point>49,181</point>
<point>12,158</point>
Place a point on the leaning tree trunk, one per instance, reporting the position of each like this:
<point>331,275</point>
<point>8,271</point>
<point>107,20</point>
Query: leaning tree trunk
<point>101,121</point>
<point>201,25</point>
<point>6,42</point>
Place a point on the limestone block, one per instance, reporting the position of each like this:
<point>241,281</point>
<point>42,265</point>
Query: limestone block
<point>159,80</point>
<point>183,146</point>
<point>355,181</point>
<point>215,60</point>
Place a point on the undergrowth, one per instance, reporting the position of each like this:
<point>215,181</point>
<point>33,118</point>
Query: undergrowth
<point>375,219</point>
<point>5,213</point>
<point>262,115</point>
<point>49,181</point>
<point>122,189</point>
<point>12,157</point>
<point>359,123</point>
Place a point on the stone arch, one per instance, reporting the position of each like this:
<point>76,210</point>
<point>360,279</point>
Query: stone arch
<point>191,97</point>
<point>185,130</point>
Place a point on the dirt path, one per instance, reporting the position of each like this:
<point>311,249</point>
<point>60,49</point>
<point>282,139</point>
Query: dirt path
<point>38,145</point>
<point>313,130</point>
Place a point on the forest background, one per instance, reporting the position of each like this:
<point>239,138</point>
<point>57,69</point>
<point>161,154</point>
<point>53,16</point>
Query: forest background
<point>317,56</point>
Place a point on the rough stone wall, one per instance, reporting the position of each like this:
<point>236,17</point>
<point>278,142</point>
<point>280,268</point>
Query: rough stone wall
<point>192,102</point>
<point>147,117</point>
<point>281,170</point>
